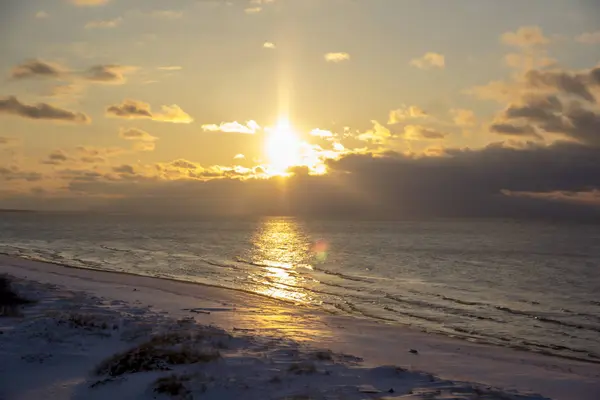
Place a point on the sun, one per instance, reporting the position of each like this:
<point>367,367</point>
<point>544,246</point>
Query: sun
<point>282,147</point>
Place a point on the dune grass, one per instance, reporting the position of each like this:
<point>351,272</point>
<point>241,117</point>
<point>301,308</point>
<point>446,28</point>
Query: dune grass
<point>10,301</point>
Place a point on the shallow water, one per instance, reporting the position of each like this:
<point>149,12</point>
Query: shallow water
<point>529,285</point>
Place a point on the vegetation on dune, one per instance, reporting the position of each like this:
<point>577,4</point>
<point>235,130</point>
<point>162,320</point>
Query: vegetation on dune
<point>10,301</point>
<point>157,354</point>
<point>173,385</point>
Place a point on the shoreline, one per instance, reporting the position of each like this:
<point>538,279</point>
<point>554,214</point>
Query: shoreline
<point>377,343</point>
<point>374,319</point>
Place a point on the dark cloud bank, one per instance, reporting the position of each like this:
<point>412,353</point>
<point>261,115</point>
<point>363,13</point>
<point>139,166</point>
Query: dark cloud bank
<point>464,183</point>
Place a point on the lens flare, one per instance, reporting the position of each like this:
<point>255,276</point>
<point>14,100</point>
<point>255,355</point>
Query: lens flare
<point>320,250</point>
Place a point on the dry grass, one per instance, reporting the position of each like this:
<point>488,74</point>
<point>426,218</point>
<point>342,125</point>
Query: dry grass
<point>152,356</point>
<point>303,368</point>
<point>10,301</point>
<point>173,385</point>
<point>85,321</point>
<point>324,355</point>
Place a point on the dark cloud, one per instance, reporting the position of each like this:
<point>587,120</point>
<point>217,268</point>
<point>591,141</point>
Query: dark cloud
<point>514,130</point>
<point>418,132</point>
<point>108,73</point>
<point>124,169</point>
<point>7,141</point>
<point>575,84</point>
<point>57,157</point>
<point>573,120</point>
<point>11,105</point>
<point>134,109</point>
<point>496,181</point>
<point>37,68</point>
<point>14,173</point>
<point>130,109</point>
<point>82,154</point>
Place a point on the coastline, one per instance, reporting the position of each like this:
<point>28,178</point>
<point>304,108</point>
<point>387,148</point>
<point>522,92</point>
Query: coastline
<point>376,343</point>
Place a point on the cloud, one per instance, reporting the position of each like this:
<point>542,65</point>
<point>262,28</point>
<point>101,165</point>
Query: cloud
<point>429,60</point>
<point>57,157</point>
<point>463,117</point>
<point>134,109</point>
<point>144,146</point>
<point>418,132</point>
<point>170,68</point>
<point>337,57</point>
<point>514,130</point>
<point>269,45</point>
<point>7,141</point>
<point>525,37</point>
<point>65,90</point>
<point>239,157</point>
<point>42,15</point>
<point>405,113</point>
<point>89,3</point>
<point>564,81</point>
<point>125,169</point>
<point>143,141</point>
<point>110,74</point>
<point>90,154</point>
<point>82,155</point>
<point>530,60</point>
<point>167,14</point>
<point>256,6</point>
<point>136,134</point>
<point>582,84</point>
<point>15,173</point>
<point>486,182</point>
<point>589,38</point>
<point>379,134</point>
<point>104,24</point>
<point>499,91</point>
<point>573,121</point>
<point>251,127</point>
<point>41,111</point>
<point>322,133</point>
<point>37,68</point>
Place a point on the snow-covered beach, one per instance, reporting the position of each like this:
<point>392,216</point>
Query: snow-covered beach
<point>205,342</point>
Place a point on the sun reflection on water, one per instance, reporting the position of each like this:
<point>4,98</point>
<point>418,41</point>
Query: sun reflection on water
<point>282,253</point>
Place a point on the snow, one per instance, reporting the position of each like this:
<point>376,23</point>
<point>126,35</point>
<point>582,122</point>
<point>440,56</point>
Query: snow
<point>267,349</point>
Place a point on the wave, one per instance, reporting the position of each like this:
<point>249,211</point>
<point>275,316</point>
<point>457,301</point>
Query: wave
<point>542,318</point>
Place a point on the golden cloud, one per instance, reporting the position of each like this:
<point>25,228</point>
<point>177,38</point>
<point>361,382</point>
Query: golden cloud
<point>250,128</point>
<point>89,3</point>
<point>104,24</point>
<point>524,37</point>
<point>134,109</point>
<point>378,134</point>
<point>463,117</point>
<point>429,60</point>
<point>337,57</point>
<point>418,132</point>
<point>405,113</point>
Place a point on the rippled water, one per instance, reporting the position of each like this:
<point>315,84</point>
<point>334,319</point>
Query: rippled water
<point>529,285</point>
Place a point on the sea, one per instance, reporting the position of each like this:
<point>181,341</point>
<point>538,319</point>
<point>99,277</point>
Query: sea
<point>530,285</point>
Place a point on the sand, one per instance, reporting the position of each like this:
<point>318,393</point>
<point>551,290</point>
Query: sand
<point>207,342</point>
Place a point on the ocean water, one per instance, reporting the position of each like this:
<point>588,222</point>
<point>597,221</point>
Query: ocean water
<point>529,285</point>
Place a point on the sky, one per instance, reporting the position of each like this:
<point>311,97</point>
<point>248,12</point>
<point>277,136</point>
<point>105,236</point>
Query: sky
<point>390,108</point>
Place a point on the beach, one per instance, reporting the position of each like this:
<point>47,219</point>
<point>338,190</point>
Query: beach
<point>275,349</point>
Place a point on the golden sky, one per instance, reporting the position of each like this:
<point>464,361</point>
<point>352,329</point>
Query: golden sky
<point>100,96</point>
